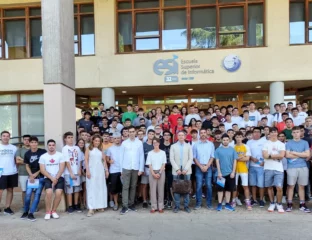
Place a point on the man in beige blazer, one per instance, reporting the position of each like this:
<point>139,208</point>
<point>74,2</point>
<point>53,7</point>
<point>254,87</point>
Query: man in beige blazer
<point>181,158</point>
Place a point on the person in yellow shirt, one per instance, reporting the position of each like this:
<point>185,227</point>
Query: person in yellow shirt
<point>244,154</point>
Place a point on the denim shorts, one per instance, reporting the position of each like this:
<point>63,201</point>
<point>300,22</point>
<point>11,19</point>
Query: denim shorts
<point>273,178</point>
<point>256,177</point>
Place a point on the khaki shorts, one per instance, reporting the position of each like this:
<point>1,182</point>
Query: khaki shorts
<point>22,181</point>
<point>298,175</point>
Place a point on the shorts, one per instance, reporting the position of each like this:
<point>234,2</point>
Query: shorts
<point>298,175</point>
<point>273,178</point>
<point>8,181</point>
<point>145,177</point>
<point>193,175</point>
<point>229,185</point>
<point>72,189</point>
<point>115,184</point>
<point>244,179</point>
<point>22,182</point>
<point>60,183</point>
<point>256,177</point>
<point>83,179</point>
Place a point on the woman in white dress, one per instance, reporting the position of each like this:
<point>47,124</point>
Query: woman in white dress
<point>96,172</point>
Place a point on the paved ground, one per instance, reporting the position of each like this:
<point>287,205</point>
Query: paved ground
<point>202,224</point>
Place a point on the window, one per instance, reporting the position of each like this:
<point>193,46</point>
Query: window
<point>84,29</point>
<point>22,32</point>
<point>164,25</point>
<point>300,21</point>
<point>22,114</point>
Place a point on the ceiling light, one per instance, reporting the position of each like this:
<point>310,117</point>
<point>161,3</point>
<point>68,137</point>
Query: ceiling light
<point>124,91</point>
<point>130,98</point>
<point>258,86</point>
<point>190,89</point>
<point>301,95</point>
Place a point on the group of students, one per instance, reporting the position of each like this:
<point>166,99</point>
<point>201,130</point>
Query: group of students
<point>131,156</point>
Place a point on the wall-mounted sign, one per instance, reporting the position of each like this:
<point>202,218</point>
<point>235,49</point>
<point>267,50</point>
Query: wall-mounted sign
<point>231,63</point>
<point>174,68</point>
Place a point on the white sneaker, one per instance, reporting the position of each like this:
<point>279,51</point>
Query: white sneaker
<point>271,207</point>
<point>238,202</point>
<point>47,216</point>
<point>55,215</point>
<point>111,204</point>
<point>280,208</point>
<point>284,200</point>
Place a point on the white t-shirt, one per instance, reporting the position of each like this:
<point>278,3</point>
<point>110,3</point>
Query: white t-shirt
<point>254,117</point>
<point>244,124</point>
<point>303,114</point>
<point>236,119</point>
<point>273,148</point>
<point>156,159</point>
<point>256,150</point>
<point>189,117</point>
<point>228,125</point>
<point>73,155</point>
<point>270,119</point>
<point>7,159</point>
<point>114,152</point>
<point>52,162</point>
<point>299,120</point>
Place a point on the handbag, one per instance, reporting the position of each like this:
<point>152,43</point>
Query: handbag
<point>181,186</point>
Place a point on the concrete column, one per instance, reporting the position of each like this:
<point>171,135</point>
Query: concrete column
<point>58,68</point>
<point>276,94</point>
<point>108,97</point>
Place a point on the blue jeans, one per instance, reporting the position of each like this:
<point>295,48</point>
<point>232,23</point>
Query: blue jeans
<point>199,185</point>
<point>36,200</point>
<point>177,196</point>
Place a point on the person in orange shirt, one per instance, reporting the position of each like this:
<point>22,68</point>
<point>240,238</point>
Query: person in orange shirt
<point>282,125</point>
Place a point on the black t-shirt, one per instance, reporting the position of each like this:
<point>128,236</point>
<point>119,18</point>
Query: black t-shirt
<point>309,140</point>
<point>207,124</point>
<point>104,129</point>
<point>32,159</point>
<point>167,151</point>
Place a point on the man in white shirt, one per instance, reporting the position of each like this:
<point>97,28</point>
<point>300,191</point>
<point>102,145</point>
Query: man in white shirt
<point>113,158</point>
<point>52,166</point>
<point>73,157</point>
<point>8,170</point>
<point>235,116</point>
<point>131,166</point>
<point>254,115</point>
<point>266,113</point>
<point>245,122</point>
<point>298,120</point>
<point>301,112</point>
<point>191,115</point>
<point>153,124</point>
<point>273,152</point>
<point>256,172</point>
<point>228,122</point>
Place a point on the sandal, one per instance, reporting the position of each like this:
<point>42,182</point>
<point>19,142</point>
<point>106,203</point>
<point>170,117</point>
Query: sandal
<point>153,210</point>
<point>90,213</point>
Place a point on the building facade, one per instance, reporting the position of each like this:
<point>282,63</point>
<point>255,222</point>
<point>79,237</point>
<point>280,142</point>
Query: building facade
<point>160,52</point>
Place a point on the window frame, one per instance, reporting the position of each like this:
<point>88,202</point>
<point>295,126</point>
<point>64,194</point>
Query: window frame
<point>27,17</point>
<point>188,7</point>
<point>307,28</point>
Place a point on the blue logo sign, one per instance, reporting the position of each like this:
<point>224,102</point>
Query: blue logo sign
<point>168,67</point>
<point>231,63</point>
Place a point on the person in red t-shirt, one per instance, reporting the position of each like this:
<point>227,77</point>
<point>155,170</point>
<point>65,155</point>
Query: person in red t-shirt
<point>281,126</point>
<point>179,127</point>
<point>173,118</point>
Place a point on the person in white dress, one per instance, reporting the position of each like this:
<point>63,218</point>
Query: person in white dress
<point>96,172</point>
